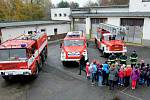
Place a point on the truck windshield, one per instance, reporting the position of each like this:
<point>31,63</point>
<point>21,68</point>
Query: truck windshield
<point>12,54</point>
<point>112,37</point>
<point>73,42</point>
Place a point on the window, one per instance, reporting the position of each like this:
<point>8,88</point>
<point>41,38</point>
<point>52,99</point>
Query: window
<point>55,15</point>
<point>74,43</point>
<point>65,14</point>
<point>12,54</point>
<point>60,14</point>
<point>55,31</point>
<point>145,0</point>
<point>43,30</point>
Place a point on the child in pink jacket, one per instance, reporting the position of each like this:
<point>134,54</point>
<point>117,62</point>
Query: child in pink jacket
<point>87,70</point>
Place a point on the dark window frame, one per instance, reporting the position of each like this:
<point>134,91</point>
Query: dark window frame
<point>145,0</point>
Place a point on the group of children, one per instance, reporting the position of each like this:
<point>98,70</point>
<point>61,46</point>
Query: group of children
<point>112,74</point>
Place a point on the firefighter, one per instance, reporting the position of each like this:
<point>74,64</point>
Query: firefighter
<point>123,59</point>
<point>133,58</point>
<point>112,58</point>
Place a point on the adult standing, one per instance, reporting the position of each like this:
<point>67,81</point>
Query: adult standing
<point>123,59</point>
<point>133,58</point>
<point>82,64</point>
<point>112,58</point>
<point>113,73</point>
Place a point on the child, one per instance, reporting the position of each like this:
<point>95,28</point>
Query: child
<point>87,70</point>
<point>93,70</point>
<point>127,74</point>
<point>121,76</point>
<point>148,77</point>
<point>134,77</point>
<point>100,77</point>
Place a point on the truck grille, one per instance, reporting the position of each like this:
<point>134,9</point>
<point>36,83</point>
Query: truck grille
<point>117,48</point>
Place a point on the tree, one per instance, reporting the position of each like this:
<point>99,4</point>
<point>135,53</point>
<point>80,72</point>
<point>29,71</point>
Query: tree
<point>73,5</point>
<point>19,10</point>
<point>63,4</point>
<point>91,4</point>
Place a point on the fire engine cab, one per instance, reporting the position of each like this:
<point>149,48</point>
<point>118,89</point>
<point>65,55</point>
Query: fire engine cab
<point>110,39</point>
<point>73,47</point>
<point>23,56</point>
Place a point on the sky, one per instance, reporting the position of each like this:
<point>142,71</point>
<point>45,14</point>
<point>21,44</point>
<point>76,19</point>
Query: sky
<point>81,2</point>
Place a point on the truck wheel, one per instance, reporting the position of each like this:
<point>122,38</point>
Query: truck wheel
<point>41,63</point>
<point>7,78</point>
<point>64,63</point>
<point>35,75</point>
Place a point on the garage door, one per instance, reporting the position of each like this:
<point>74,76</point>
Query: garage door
<point>79,25</point>
<point>135,29</point>
<point>95,22</point>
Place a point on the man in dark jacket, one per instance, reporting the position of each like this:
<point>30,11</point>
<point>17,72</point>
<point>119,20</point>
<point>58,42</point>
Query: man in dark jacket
<point>123,59</point>
<point>82,64</point>
<point>133,58</point>
<point>112,58</point>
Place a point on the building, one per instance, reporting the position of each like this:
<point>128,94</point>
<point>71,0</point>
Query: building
<point>135,16</point>
<point>54,29</point>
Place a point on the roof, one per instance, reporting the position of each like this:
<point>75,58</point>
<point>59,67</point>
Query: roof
<point>113,14</point>
<point>29,23</point>
<point>16,43</point>
<point>109,6</point>
<point>75,38</point>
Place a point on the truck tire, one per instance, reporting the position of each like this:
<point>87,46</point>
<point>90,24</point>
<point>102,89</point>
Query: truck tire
<point>96,43</point>
<point>64,63</point>
<point>7,78</point>
<point>35,75</point>
<point>40,63</point>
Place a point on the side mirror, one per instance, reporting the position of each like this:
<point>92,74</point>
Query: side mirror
<point>87,44</point>
<point>60,45</point>
<point>100,39</point>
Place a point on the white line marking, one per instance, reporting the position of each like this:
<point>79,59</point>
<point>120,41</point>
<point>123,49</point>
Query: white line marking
<point>125,89</point>
<point>131,96</point>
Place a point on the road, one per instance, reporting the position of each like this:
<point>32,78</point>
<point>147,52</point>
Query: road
<point>57,82</point>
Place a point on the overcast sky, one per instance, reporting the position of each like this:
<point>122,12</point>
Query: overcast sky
<point>81,2</point>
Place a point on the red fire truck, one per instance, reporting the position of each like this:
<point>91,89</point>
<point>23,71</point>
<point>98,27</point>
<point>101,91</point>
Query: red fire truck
<point>74,45</point>
<point>110,39</point>
<point>23,56</point>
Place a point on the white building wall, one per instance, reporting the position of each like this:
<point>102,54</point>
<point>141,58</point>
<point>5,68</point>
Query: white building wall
<point>10,33</point>
<point>113,21</point>
<point>104,10</point>
<point>139,6</point>
<point>146,29</point>
<point>64,12</point>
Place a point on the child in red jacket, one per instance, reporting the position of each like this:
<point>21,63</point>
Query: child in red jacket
<point>121,76</point>
<point>87,71</point>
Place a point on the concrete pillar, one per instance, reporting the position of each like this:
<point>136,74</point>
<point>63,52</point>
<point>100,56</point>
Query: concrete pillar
<point>88,27</point>
<point>72,25</point>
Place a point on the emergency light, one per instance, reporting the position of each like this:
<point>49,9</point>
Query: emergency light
<point>23,45</point>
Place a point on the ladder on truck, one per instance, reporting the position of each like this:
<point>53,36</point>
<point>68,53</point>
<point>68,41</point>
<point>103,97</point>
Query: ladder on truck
<point>115,30</point>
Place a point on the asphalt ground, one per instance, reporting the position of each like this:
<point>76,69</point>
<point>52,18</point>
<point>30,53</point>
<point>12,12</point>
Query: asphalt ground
<point>57,82</point>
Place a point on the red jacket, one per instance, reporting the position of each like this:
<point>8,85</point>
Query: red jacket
<point>128,71</point>
<point>121,73</point>
<point>87,70</point>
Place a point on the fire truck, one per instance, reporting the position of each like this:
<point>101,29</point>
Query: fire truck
<point>23,55</point>
<point>110,39</point>
<point>73,47</point>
